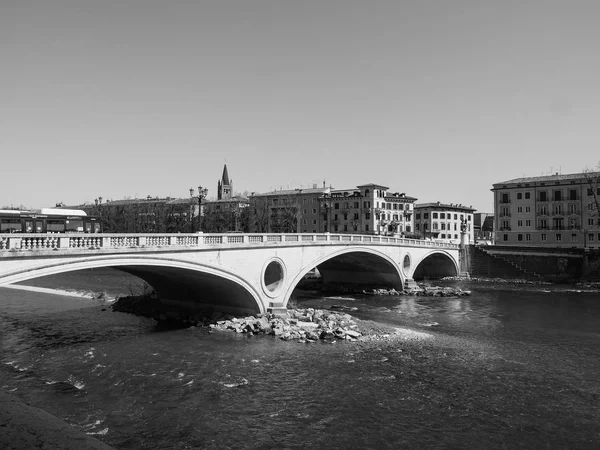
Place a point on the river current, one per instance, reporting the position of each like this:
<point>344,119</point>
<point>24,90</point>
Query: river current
<point>506,367</point>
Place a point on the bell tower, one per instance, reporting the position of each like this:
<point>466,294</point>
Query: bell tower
<point>224,186</point>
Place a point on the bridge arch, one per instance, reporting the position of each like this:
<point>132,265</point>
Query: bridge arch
<point>181,283</point>
<point>354,265</point>
<point>436,264</point>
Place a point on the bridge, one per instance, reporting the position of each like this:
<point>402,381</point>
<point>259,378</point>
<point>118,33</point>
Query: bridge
<point>236,273</point>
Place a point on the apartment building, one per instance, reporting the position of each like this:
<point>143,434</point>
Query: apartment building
<point>445,221</point>
<point>547,211</point>
<point>367,208</point>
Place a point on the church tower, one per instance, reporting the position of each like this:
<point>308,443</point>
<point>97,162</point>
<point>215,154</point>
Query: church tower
<point>224,186</point>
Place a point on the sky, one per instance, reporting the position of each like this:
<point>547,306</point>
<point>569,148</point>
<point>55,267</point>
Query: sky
<point>438,99</point>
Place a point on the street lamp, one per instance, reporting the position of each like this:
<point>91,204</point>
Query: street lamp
<point>191,210</point>
<point>202,193</point>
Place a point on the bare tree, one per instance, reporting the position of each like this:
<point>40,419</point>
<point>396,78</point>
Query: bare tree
<point>592,180</point>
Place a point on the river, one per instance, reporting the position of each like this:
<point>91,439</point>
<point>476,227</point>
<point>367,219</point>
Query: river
<point>507,367</point>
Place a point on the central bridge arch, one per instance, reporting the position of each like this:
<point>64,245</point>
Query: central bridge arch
<point>353,266</point>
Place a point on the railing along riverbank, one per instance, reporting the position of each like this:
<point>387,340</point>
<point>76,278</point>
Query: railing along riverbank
<point>17,242</point>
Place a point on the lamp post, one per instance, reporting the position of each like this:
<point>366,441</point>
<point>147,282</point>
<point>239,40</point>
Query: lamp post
<point>191,210</point>
<point>202,193</point>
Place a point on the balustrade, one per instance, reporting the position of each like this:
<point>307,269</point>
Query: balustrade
<point>83,242</point>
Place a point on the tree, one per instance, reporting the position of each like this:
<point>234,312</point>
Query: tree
<point>592,181</point>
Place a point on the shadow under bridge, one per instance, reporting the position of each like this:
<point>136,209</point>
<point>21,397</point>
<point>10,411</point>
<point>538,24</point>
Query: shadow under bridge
<point>360,268</point>
<point>436,265</point>
<point>195,291</point>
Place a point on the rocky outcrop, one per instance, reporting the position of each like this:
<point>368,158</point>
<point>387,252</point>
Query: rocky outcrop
<point>307,325</point>
<point>304,325</point>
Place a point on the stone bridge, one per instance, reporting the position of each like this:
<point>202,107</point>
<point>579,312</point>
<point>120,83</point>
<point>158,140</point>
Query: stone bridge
<point>236,273</point>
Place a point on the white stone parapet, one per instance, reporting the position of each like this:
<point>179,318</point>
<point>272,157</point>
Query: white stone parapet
<point>27,242</point>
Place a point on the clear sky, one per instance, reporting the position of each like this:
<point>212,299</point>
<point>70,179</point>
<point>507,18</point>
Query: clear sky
<point>438,99</point>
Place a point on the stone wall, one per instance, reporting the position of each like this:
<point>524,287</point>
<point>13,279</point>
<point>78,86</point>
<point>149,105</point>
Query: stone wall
<point>555,265</point>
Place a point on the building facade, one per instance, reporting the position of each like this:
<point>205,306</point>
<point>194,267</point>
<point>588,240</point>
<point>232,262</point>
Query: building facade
<point>445,221</point>
<point>548,211</point>
<point>365,209</point>
<point>483,227</point>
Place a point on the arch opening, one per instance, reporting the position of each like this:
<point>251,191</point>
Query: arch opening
<point>436,265</point>
<point>182,285</point>
<point>358,270</point>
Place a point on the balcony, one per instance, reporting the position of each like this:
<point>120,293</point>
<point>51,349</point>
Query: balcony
<point>504,228</point>
<point>504,214</point>
<point>504,201</point>
<point>543,228</point>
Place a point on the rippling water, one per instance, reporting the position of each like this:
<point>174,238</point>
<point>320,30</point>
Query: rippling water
<point>503,368</point>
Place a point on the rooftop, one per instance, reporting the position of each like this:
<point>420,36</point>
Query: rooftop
<point>555,177</point>
<point>447,206</point>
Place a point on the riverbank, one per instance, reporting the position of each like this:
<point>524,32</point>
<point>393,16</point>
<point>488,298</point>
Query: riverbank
<point>24,426</point>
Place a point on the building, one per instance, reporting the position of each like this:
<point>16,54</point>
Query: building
<point>444,221</point>
<point>365,209</point>
<point>548,211</point>
<point>483,227</point>
<point>144,215</point>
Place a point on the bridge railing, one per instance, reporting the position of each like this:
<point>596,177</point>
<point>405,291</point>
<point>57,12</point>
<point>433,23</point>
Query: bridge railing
<point>17,242</point>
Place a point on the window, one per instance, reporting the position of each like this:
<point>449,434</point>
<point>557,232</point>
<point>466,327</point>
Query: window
<point>505,237</point>
<point>519,209</point>
<point>519,223</point>
<point>543,224</point>
<point>505,198</point>
<point>558,237</point>
<point>544,210</point>
<point>527,195</point>
<point>455,216</point>
<point>572,194</point>
<point>303,221</point>
<point>335,217</point>
<point>367,227</point>
<point>528,209</point>
<point>356,204</point>
<point>345,216</point>
<point>573,237</point>
<point>590,221</point>
<point>345,227</point>
<point>434,215</point>
<point>304,210</point>
<point>528,223</point>
<point>543,237</point>
<point>418,216</point>
<point>591,237</point>
<point>519,237</point>
<point>442,215</point>
<point>543,196</point>
<point>367,216</point>
<point>336,206</point>
<point>435,225</point>
<point>527,237</point>
<point>573,208</point>
<point>355,216</point>
<point>314,222</point>
<point>314,210</point>
<point>519,196</point>
<point>557,196</point>
<point>425,215</point>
